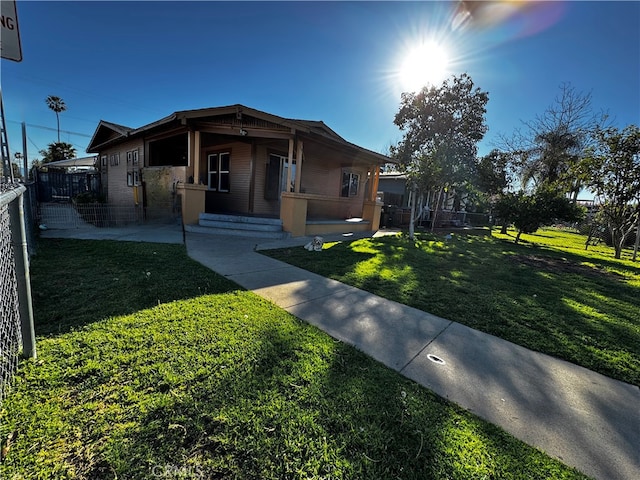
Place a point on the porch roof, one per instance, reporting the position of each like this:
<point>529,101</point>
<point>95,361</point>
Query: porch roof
<point>313,128</point>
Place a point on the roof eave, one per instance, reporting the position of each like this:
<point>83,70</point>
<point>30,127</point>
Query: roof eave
<point>119,129</point>
<point>295,125</point>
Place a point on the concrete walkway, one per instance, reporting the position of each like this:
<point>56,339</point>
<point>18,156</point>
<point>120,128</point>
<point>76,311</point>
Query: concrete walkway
<point>585,419</point>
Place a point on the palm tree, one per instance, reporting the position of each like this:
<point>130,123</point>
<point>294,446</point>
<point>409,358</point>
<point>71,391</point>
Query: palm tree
<point>57,105</point>
<point>58,151</point>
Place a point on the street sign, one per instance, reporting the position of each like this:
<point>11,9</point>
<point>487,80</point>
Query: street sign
<point>9,35</point>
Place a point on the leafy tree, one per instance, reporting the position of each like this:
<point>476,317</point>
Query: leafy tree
<point>553,143</point>
<point>57,151</point>
<point>441,129</point>
<point>529,212</point>
<point>492,172</point>
<point>505,207</point>
<point>612,172</point>
<point>58,106</point>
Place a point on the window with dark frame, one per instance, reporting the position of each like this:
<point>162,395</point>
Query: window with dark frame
<point>133,178</point>
<point>350,182</point>
<point>218,171</point>
<point>114,159</point>
<point>103,160</point>
<point>132,157</point>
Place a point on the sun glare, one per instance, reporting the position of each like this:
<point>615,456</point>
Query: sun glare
<point>425,64</point>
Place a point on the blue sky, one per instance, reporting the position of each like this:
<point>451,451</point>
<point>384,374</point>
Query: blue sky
<point>133,63</point>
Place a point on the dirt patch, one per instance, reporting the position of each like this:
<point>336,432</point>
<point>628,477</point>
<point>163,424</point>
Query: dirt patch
<point>562,265</point>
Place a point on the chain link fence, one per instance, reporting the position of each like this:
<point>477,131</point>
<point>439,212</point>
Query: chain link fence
<point>10,327</point>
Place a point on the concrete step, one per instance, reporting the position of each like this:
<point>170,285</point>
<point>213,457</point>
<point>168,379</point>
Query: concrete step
<point>220,217</point>
<point>275,235</point>
<point>261,227</point>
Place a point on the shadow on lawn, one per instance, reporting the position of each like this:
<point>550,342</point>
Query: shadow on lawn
<point>555,308</point>
<point>288,408</point>
<point>78,282</point>
<point>538,298</point>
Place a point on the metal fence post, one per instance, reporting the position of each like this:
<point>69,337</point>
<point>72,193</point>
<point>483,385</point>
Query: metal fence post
<point>21,253</point>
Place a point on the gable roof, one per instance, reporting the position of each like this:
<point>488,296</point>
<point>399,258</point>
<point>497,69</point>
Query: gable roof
<point>101,139</point>
<point>320,127</point>
<point>105,133</point>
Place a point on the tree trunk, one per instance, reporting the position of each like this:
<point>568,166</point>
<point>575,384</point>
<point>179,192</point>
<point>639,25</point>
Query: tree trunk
<point>637,243</point>
<point>617,239</point>
<point>435,210</point>
<point>412,214</point>
<point>592,233</point>
<point>518,236</point>
<point>618,249</point>
<point>503,229</point>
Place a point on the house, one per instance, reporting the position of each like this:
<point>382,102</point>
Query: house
<point>239,161</point>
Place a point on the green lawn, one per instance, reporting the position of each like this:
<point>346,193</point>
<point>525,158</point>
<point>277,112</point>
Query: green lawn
<point>152,366</point>
<point>547,294</point>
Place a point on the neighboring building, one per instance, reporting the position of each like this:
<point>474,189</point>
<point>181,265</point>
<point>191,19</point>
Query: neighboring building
<point>241,161</point>
<point>392,189</point>
<point>394,193</point>
<point>83,164</point>
<point>63,180</point>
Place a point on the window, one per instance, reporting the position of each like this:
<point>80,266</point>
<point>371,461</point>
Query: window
<point>103,160</point>
<point>132,157</point>
<point>133,178</point>
<point>350,183</point>
<point>114,159</point>
<point>219,171</point>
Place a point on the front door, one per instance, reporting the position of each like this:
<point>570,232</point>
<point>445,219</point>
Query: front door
<point>278,176</point>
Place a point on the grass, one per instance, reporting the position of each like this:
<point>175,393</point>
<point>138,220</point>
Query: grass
<point>547,294</point>
<point>152,366</point>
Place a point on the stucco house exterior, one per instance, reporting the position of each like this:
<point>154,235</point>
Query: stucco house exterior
<point>238,161</point>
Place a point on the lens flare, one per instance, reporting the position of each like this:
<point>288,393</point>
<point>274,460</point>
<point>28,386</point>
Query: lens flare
<point>516,18</point>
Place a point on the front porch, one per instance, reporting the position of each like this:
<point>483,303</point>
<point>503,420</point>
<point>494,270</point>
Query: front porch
<point>305,214</point>
<point>308,193</point>
<point>300,214</point>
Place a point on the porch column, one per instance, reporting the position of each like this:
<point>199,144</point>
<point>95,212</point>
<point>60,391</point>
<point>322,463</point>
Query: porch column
<point>290,160</point>
<point>190,144</point>
<point>298,166</point>
<point>195,155</point>
<point>375,180</point>
<point>371,209</point>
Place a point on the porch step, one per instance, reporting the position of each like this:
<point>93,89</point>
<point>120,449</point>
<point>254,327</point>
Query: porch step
<point>240,219</point>
<point>238,225</point>
<point>238,222</point>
